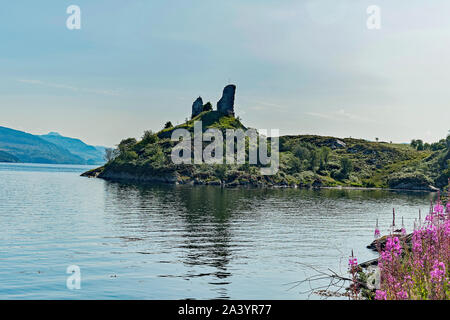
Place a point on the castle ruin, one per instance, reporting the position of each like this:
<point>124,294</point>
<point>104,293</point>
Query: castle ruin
<point>225,105</point>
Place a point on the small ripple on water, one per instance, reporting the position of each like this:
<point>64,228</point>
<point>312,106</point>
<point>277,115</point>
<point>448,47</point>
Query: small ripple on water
<point>177,242</point>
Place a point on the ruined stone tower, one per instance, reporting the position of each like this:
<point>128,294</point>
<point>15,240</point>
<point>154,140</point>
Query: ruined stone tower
<point>226,104</point>
<point>197,107</point>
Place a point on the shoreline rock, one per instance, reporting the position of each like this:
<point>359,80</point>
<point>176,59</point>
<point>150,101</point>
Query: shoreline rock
<point>176,179</point>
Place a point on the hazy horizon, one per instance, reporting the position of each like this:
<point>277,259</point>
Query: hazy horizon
<point>309,67</point>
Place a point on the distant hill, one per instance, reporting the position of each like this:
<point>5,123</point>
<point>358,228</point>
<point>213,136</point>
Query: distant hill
<point>19,146</point>
<point>6,157</point>
<point>90,154</point>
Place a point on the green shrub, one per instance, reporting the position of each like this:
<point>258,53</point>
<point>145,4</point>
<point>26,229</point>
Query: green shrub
<point>414,180</point>
<point>149,137</point>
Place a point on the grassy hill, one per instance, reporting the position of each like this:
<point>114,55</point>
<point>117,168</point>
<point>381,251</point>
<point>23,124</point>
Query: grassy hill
<point>305,161</point>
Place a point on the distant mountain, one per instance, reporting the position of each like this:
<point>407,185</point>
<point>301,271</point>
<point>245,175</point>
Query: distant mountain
<point>19,146</point>
<point>6,157</point>
<point>90,154</point>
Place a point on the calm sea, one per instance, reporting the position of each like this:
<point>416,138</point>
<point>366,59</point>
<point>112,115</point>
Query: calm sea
<point>178,242</point>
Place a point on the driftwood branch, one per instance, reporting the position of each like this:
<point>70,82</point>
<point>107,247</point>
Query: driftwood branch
<point>334,288</point>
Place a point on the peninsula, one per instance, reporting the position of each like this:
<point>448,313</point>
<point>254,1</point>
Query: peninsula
<point>305,160</point>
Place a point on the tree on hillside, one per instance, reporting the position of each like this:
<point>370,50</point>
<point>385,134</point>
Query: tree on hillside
<point>314,160</point>
<point>301,152</point>
<point>110,154</point>
<point>220,171</point>
<point>420,146</point>
<point>346,167</point>
<point>126,144</point>
<point>207,107</point>
<point>442,144</point>
<point>149,136</point>
<point>324,157</point>
<point>168,125</point>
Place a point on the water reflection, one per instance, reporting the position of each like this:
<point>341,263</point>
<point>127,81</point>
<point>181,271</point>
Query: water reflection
<point>198,225</point>
<point>178,242</point>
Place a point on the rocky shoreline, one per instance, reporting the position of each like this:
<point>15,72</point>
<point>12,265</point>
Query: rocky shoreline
<point>177,179</point>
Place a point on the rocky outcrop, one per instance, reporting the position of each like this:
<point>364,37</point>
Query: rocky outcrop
<point>411,181</point>
<point>94,173</point>
<point>336,144</point>
<point>197,107</point>
<point>380,243</point>
<point>137,177</point>
<point>226,104</point>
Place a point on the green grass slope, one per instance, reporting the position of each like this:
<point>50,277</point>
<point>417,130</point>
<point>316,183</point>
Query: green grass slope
<point>305,161</point>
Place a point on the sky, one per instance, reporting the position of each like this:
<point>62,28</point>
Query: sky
<point>303,67</point>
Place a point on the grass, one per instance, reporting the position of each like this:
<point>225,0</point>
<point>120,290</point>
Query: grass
<point>305,160</point>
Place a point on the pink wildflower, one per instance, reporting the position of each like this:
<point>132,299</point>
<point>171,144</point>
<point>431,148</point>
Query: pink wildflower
<point>393,246</point>
<point>377,233</point>
<point>380,295</point>
<point>403,295</point>
<point>438,271</point>
<point>352,262</point>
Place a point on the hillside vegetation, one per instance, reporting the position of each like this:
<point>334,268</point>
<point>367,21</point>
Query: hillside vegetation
<point>305,161</point>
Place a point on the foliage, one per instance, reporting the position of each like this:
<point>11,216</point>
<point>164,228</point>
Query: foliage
<point>415,269</point>
<point>168,125</point>
<point>149,137</point>
<point>207,106</point>
<point>111,154</point>
<point>422,271</point>
<point>346,167</point>
<point>407,179</point>
<point>126,145</point>
<point>305,161</point>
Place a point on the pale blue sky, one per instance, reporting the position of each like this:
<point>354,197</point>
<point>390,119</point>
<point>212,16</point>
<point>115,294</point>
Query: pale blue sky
<point>304,67</point>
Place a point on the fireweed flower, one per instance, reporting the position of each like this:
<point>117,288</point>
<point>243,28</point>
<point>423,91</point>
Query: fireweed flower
<point>380,295</point>
<point>352,262</point>
<point>438,272</point>
<point>377,233</point>
<point>402,295</point>
<point>439,208</point>
<point>393,246</point>
<point>408,280</point>
<point>417,244</point>
<point>421,270</point>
